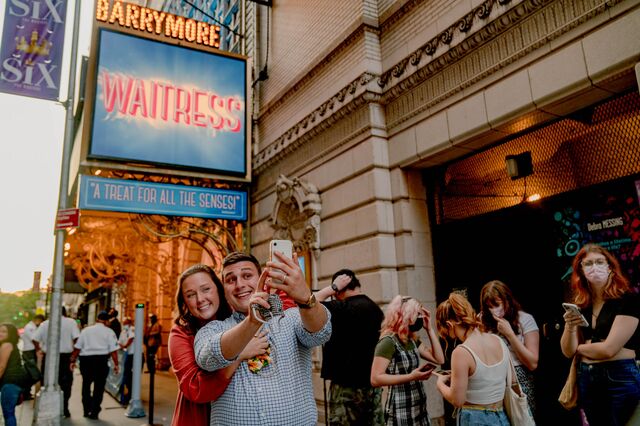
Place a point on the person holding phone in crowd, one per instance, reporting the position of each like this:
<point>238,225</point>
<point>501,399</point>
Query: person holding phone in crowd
<point>608,376</point>
<point>280,393</point>
<point>199,300</point>
<point>501,314</point>
<point>347,356</point>
<point>479,365</point>
<point>397,358</point>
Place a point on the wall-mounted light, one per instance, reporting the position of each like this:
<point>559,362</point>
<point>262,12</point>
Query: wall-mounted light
<point>519,165</point>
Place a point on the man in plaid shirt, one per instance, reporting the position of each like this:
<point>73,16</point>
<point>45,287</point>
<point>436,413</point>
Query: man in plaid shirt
<point>281,392</point>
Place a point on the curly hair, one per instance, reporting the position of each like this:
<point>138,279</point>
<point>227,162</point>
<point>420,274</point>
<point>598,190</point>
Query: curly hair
<point>491,295</point>
<point>616,286</point>
<point>399,315</point>
<point>456,310</point>
<point>183,317</point>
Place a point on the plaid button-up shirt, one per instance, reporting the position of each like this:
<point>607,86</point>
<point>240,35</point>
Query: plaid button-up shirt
<point>281,393</point>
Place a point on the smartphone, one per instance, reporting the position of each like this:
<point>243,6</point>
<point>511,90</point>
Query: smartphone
<point>283,246</point>
<point>441,372</point>
<point>427,367</point>
<point>570,307</point>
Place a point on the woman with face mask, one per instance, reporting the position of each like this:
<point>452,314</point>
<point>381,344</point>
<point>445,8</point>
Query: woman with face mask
<point>397,357</point>
<point>608,376</point>
<point>501,314</point>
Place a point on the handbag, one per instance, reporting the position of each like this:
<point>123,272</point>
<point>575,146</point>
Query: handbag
<point>33,374</point>
<point>569,395</point>
<point>515,400</point>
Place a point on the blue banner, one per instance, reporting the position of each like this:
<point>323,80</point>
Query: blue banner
<point>132,196</point>
<point>32,45</point>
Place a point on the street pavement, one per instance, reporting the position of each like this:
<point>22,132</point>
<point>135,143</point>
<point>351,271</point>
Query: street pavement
<point>112,413</point>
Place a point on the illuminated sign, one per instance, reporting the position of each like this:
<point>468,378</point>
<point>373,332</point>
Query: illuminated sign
<point>169,105</point>
<point>158,198</point>
<point>128,15</point>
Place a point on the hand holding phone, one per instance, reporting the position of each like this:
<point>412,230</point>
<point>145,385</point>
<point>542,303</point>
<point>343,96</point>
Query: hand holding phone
<point>286,248</point>
<point>427,367</point>
<point>573,309</point>
<point>441,372</point>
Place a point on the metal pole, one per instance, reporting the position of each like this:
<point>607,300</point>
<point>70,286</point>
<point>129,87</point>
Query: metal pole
<point>135,408</point>
<point>48,409</point>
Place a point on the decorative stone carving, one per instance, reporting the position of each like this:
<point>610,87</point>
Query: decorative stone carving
<point>296,214</point>
<point>476,46</point>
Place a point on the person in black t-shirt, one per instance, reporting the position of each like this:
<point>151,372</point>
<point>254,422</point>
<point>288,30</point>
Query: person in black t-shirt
<point>114,323</point>
<point>348,355</point>
<point>608,377</point>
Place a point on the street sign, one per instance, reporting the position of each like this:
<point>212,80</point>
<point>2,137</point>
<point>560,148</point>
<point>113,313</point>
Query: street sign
<point>67,218</point>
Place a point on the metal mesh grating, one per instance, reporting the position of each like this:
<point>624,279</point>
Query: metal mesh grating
<point>597,144</point>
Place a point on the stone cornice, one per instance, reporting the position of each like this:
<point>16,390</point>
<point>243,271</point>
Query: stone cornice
<point>459,30</point>
<point>317,66</point>
<point>451,46</point>
<point>346,100</point>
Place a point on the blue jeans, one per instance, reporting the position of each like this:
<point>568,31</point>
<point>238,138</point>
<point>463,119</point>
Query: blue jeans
<point>608,391</point>
<point>476,417</point>
<point>9,395</point>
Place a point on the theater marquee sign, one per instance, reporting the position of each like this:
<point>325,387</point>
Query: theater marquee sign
<point>136,17</point>
<point>162,99</point>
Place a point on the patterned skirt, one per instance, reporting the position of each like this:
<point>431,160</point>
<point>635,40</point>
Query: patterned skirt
<point>525,377</point>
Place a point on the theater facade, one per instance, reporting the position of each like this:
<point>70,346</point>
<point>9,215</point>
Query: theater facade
<point>393,122</point>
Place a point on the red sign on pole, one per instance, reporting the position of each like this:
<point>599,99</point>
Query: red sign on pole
<point>67,218</point>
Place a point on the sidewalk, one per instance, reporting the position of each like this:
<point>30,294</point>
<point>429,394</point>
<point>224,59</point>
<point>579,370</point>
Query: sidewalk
<point>112,413</point>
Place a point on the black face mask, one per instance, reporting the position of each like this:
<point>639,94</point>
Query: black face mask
<point>416,326</point>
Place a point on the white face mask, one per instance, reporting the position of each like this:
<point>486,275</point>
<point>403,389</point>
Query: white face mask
<point>498,311</point>
<point>597,274</point>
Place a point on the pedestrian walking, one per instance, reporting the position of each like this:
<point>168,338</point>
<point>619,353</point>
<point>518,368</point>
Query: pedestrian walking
<point>94,346</point>
<point>27,337</point>
<point>114,323</point>
<point>152,341</point>
<point>348,355</point>
<point>29,353</point>
<point>125,341</point>
<point>69,334</point>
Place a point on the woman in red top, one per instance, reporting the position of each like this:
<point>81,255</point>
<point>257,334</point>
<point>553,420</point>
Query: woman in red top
<point>200,299</point>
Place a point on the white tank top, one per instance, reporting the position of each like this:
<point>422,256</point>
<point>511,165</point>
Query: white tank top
<point>487,384</point>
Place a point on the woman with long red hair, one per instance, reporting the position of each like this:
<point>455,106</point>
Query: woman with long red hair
<point>608,376</point>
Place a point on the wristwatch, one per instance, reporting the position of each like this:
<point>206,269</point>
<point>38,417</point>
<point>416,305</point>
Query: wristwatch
<point>310,303</point>
<point>334,287</point>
